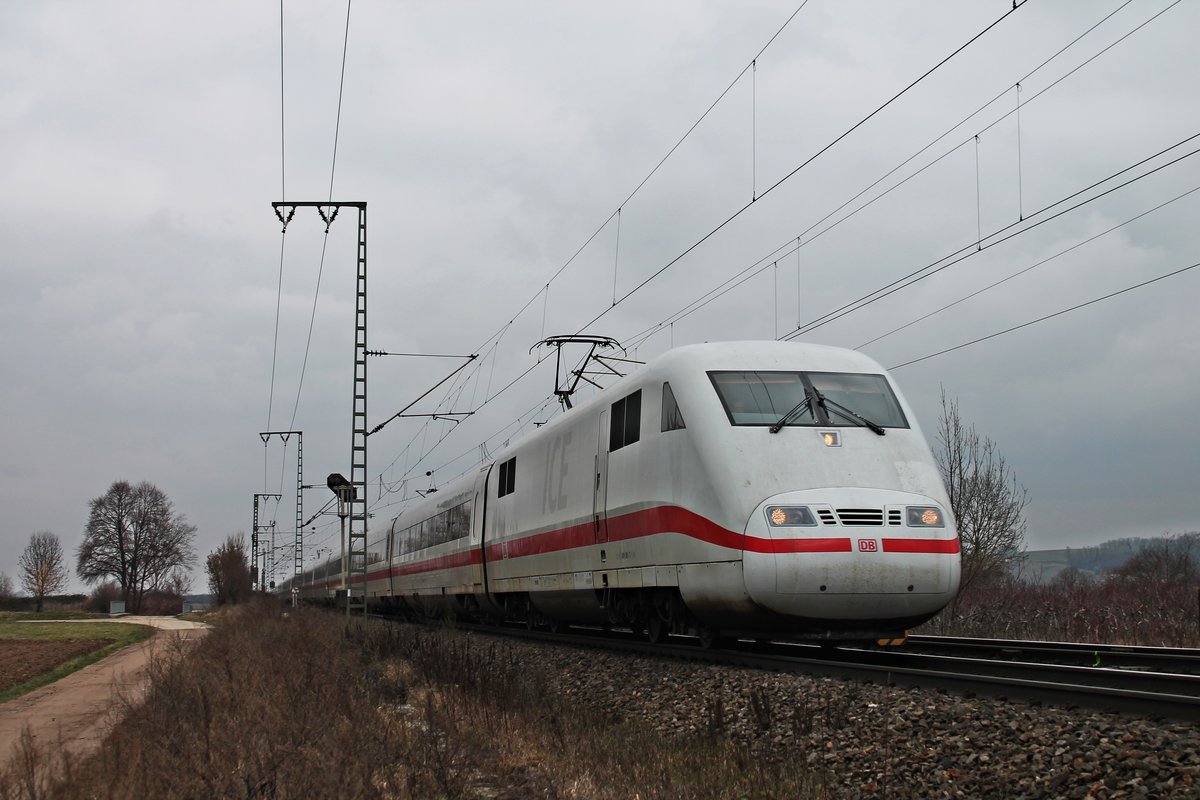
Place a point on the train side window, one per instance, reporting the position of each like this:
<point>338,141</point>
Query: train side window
<point>508,478</point>
<point>460,521</point>
<point>616,426</point>
<point>633,417</point>
<point>626,425</point>
<point>672,417</point>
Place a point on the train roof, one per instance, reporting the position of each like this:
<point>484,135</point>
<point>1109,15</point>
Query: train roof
<point>765,355</point>
<point>751,354</point>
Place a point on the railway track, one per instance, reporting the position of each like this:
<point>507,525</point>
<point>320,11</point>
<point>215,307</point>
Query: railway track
<point>1156,682</point>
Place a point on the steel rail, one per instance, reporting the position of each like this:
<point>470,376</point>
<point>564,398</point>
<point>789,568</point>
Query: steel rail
<point>1157,659</point>
<point>1153,694</point>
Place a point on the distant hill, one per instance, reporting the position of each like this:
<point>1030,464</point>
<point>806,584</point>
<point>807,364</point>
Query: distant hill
<point>1042,566</point>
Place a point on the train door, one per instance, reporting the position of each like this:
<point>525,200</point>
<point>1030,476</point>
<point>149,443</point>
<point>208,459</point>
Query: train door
<point>479,519</point>
<point>600,496</point>
<point>391,554</point>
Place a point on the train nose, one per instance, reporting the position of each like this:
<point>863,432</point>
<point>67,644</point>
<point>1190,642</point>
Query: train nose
<point>840,553</point>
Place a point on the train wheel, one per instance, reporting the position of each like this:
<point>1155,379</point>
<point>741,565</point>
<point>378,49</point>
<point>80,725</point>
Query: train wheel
<point>710,638</point>
<point>656,629</point>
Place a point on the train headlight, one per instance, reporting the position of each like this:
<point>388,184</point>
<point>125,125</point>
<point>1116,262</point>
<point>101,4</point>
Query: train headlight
<point>925,517</point>
<point>790,517</point>
<point>831,438</point>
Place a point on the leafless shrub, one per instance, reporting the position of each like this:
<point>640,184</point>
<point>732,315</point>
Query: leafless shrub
<point>838,706</point>
<point>26,777</point>
<point>265,707</point>
<point>1110,612</point>
<point>802,717</point>
<point>310,705</point>
<point>228,569</point>
<point>160,602</point>
<point>714,716</point>
<point>102,596</point>
<point>987,501</point>
<point>1173,560</point>
<point>760,709</point>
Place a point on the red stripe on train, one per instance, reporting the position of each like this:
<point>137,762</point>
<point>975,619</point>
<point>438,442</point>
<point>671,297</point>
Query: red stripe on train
<point>921,545</point>
<point>650,522</point>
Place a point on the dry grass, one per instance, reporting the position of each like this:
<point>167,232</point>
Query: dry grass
<point>494,711</point>
<point>306,704</point>
<point>25,668</point>
<point>1111,612</point>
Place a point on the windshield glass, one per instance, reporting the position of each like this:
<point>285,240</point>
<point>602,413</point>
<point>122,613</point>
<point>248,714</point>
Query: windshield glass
<point>762,398</point>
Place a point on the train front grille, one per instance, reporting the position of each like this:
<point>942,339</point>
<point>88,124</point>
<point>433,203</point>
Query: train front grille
<point>860,516</point>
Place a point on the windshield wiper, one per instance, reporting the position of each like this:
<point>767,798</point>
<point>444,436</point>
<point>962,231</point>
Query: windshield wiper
<point>803,404</point>
<point>849,414</point>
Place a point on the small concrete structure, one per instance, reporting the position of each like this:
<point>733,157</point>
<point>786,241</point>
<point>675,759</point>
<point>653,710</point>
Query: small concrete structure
<point>116,608</point>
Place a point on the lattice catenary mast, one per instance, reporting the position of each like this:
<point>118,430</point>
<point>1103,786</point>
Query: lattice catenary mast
<point>357,538</point>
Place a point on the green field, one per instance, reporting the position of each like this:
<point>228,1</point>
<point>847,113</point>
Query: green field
<point>14,632</point>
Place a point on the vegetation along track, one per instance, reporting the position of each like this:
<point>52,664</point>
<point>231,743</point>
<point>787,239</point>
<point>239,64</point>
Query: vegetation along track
<point>974,667</point>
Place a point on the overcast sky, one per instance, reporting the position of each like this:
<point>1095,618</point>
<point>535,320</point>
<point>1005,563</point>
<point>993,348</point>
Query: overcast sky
<point>140,146</point>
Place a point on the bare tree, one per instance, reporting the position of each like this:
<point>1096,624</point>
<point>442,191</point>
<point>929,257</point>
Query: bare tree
<point>6,587</point>
<point>988,503</point>
<point>134,536</point>
<point>179,582</point>
<point>1169,559</point>
<point>42,572</point>
<point>229,571</point>
<point>1073,578</point>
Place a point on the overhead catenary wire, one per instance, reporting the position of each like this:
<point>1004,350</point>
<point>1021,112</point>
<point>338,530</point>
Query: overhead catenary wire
<point>1020,175</point>
<point>337,127</point>
<point>1093,301</point>
<point>493,365</point>
<point>1031,267</point>
<point>750,272</point>
<point>503,434</point>
<point>423,453</point>
<point>841,137</point>
<point>282,115</point>
<point>1005,233</point>
<point>544,291</point>
<point>283,235</point>
<point>501,391</point>
<point>737,213</point>
<point>751,66</point>
<point>649,175</point>
<point>983,107</point>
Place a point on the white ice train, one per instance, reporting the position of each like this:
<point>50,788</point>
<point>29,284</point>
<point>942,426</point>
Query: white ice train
<point>738,488</point>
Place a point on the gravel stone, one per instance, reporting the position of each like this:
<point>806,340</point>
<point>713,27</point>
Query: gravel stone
<point>872,741</point>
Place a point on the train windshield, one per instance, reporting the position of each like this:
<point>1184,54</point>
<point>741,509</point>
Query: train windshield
<point>763,398</point>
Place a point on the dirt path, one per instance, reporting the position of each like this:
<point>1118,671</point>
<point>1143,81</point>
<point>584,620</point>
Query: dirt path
<point>78,711</point>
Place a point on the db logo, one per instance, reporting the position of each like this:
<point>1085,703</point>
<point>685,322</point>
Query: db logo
<point>868,545</point>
